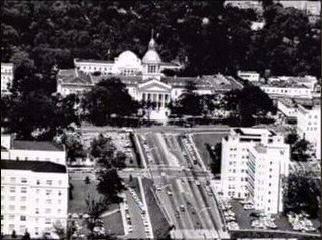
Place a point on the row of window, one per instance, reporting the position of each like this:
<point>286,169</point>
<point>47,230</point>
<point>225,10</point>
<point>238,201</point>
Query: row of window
<point>24,189</point>
<point>96,68</point>
<point>37,211</point>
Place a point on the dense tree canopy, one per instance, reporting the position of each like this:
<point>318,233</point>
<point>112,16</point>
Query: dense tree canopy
<point>203,35</point>
<point>302,192</point>
<point>248,103</point>
<point>106,98</point>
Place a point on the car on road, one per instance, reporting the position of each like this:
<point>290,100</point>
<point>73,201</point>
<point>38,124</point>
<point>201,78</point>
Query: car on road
<point>182,208</point>
<point>177,214</point>
<point>197,183</point>
<point>169,192</point>
<point>158,189</point>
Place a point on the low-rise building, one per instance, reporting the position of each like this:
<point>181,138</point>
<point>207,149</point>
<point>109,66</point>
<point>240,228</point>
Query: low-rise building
<point>282,89</point>
<point>6,77</point>
<point>21,150</point>
<point>242,149</point>
<point>309,125</point>
<point>249,75</point>
<point>34,197</point>
<point>289,109</point>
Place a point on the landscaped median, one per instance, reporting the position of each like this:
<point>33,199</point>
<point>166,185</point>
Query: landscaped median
<point>159,222</point>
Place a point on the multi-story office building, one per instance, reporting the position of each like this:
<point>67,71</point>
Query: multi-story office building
<point>6,77</point>
<point>20,150</point>
<point>239,149</point>
<point>267,166</point>
<point>288,108</point>
<point>309,126</point>
<point>34,197</point>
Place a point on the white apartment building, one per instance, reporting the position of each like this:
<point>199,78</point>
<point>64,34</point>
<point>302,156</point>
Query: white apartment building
<point>21,150</point>
<point>6,77</point>
<point>267,167</point>
<point>237,148</point>
<point>34,197</point>
<point>249,75</point>
<point>309,126</point>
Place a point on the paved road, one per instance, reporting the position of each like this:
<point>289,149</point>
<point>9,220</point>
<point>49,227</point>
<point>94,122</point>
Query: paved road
<point>182,190</point>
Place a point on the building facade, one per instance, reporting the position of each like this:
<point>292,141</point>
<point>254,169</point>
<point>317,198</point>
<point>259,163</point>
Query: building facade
<point>240,153</point>
<point>34,197</point>
<point>249,76</point>
<point>6,77</point>
<point>19,150</point>
<point>309,126</point>
<point>289,109</point>
<point>144,79</point>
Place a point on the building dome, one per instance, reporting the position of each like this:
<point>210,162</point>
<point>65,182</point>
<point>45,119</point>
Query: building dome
<point>127,55</point>
<point>151,56</point>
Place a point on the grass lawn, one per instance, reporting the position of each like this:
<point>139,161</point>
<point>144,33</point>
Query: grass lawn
<point>159,223</point>
<point>113,224</point>
<point>201,139</point>
<point>80,193</point>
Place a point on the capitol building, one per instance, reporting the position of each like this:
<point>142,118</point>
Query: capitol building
<point>144,79</point>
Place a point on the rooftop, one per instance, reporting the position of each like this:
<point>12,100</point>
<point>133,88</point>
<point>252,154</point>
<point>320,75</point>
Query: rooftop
<point>254,132</point>
<point>93,61</point>
<point>74,76</point>
<point>36,145</point>
<point>34,166</point>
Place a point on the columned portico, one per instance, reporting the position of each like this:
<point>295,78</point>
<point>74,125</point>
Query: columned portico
<point>160,98</point>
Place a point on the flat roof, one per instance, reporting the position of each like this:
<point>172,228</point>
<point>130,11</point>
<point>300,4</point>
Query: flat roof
<point>254,132</point>
<point>34,166</point>
<point>93,61</point>
<point>36,145</point>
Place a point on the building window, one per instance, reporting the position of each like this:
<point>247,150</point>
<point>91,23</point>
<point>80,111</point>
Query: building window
<point>12,198</point>
<point>59,182</point>
<point>12,207</point>
<point>12,189</point>
<point>49,182</point>
<point>47,211</point>
<point>48,192</point>
<point>22,218</point>
<point>23,180</point>
<point>13,179</point>
<point>269,192</point>
<point>38,182</point>
<point>2,217</point>
<point>59,193</point>
<point>48,201</point>
<point>24,190</point>
<point>47,221</point>
<point>37,210</point>
<point>23,208</point>
<point>23,198</point>
<point>11,217</point>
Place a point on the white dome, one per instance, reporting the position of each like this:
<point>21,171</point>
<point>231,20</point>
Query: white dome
<point>151,56</point>
<point>127,55</point>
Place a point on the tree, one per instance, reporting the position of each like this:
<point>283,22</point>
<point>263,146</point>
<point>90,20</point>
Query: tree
<point>253,102</point>
<point>109,184</point>
<point>13,234</point>
<point>87,180</point>
<point>73,144</point>
<point>26,236</point>
<point>189,103</point>
<point>107,98</point>
<point>95,207</point>
<point>216,158</point>
<point>291,138</point>
<point>302,192</point>
<point>102,148</point>
<point>300,150</point>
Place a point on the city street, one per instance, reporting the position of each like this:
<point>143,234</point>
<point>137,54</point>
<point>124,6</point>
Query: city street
<point>180,182</point>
